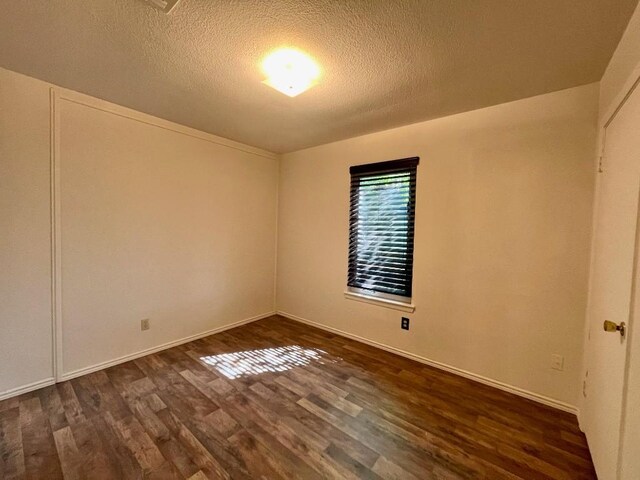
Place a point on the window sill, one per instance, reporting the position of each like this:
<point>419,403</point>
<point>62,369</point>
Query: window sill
<point>382,302</point>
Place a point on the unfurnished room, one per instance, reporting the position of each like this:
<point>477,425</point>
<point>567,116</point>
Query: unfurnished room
<point>320,239</point>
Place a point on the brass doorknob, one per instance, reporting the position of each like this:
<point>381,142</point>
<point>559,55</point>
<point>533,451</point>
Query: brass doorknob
<point>610,326</point>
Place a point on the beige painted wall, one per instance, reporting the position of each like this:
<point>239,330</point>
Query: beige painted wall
<point>25,247</point>
<point>502,239</point>
<point>161,225</point>
<point>156,221</point>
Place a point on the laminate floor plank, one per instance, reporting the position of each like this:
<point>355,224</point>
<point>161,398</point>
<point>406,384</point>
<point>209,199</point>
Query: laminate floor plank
<point>38,445</point>
<point>277,399</point>
<point>11,449</point>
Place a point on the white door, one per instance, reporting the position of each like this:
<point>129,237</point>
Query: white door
<point>611,286</point>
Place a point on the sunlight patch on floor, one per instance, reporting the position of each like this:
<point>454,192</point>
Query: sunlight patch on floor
<point>254,362</point>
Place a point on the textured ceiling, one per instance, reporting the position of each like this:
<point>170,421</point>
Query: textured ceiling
<point>385,62</point>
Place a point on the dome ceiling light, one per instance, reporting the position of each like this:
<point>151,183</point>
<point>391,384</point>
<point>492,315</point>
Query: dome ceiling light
<point>290,71</point>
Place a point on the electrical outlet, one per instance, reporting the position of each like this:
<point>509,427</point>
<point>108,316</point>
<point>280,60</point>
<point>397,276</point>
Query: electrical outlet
<point>144,324</point>
<point>404,323</point>
<point>557,362</point>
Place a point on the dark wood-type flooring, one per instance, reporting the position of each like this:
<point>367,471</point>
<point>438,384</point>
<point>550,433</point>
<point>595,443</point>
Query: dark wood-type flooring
<point>289,401</point>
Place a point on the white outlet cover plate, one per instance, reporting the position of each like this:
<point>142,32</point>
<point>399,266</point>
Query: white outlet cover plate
<point>557,362</point>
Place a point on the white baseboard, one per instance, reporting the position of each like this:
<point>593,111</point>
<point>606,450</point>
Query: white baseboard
<point>551,402</point>
<point>164,346</point>
<point>14,392</point>
<point>464,373</point>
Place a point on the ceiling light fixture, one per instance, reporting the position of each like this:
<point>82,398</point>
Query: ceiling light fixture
<point>164,5</point>
<point>290,71</point>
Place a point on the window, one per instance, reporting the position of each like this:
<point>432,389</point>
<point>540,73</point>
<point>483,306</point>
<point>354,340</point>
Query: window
<point>381,224</point>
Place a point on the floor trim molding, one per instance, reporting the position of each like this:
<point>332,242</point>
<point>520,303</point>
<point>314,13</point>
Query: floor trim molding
<point>551,402</point>
<point>164,346</point>
<point>14,392</point>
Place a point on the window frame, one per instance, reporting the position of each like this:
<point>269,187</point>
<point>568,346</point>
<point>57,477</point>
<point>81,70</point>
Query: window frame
<point>357,292</point>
